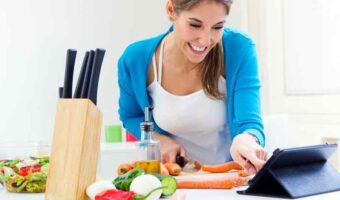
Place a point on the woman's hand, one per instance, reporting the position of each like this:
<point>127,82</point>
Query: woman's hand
<point>169,148</point>
<point>246,151</point>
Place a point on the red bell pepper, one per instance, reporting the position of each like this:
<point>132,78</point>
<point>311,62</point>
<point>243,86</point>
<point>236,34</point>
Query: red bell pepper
<point>24,171</point>
<point>113,194</point>
<point>36,168</point>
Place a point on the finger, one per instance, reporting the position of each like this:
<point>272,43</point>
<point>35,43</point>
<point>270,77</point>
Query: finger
<point>264,152</point>
<point>172,157</point>
<point>258,163</point>
<point>265,156</point>
<point>258,154</point>
<point>165,158</point>
<point>261,155</point>
<point>183,152</point>
<point>250,168</point>
<point>240,160</point>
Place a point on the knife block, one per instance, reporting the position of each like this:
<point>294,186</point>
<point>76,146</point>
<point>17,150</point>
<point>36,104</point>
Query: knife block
<point>75,148</point>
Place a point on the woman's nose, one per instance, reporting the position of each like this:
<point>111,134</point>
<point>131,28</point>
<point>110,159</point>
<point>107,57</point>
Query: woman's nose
<point>205,38</point>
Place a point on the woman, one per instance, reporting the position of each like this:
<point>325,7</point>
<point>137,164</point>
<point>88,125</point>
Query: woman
<point>202,80</point>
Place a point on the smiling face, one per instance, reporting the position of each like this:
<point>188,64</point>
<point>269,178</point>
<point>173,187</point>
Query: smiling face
<point>198,30</point>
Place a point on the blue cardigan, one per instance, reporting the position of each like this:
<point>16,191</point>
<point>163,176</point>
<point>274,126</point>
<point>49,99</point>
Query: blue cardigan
<point>243,85</point>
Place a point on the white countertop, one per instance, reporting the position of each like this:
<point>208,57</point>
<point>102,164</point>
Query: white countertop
<point>189,194</point>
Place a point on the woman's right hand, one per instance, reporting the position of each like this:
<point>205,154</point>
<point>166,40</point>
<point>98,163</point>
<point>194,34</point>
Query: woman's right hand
<point>169,148</point>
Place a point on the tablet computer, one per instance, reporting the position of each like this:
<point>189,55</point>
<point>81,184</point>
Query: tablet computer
<point>295,173</point>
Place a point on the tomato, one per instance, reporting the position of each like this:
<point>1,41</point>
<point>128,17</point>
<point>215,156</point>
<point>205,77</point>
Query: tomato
<point>36,168</point>
<point>24,171</point>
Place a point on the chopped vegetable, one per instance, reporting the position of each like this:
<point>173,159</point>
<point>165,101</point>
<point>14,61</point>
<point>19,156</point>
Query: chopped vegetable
<point>27,163</point>
<point>23,175</point>
<point>123,168</point>
<point>11,163</point>
<point>173,168</point>
<point>169,184</point>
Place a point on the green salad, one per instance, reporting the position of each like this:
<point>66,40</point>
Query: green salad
<point>24,175</point>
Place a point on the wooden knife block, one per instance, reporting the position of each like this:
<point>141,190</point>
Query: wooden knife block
<point>75,148</point>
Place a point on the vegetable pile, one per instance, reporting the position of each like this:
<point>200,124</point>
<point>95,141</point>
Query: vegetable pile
<point>24,175</point>
<point>134,184</point>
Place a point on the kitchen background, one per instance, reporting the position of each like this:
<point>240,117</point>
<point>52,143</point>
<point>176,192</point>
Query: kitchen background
<point>298,43</point>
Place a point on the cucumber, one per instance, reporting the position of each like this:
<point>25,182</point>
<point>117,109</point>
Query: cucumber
<point>169,184</point>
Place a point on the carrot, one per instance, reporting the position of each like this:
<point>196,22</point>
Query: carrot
<point>243,173</point>
<point>220,183</point>
<point>197,165</point>
<point>220,168</point>
<point>164,170</point>
<point>173,168</point>
<point>123,168</point>
<point>240,181</point>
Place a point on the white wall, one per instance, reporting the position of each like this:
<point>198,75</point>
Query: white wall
<point>310,117</point>
<point>34,36</point>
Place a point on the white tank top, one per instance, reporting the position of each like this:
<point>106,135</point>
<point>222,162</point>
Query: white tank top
<point>195,121</point>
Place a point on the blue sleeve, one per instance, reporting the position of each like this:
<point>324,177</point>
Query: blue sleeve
<point>130,112</point>
<point>247,107</point>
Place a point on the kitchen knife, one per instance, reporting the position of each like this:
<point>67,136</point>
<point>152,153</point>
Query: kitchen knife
<point>79,87</point>
<point>96,67</point>
<point>188,164</point>
<point>70,60</point>
<point>88,72</point>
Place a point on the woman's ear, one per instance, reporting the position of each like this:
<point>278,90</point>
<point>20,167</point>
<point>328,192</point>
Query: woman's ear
<point>170,10</point>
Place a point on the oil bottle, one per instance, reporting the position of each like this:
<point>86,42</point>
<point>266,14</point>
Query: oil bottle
<point>149,145</point>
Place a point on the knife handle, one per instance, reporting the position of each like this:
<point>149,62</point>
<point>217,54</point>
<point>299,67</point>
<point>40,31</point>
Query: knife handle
<point>97,64</point>
<point>79,87</point>
<point>88,73</point>
<point>180,160</point>
<point>61,92</point>
<point>70,60</point>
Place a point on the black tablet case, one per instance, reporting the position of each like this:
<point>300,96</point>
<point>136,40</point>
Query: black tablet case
<point>295,173</point>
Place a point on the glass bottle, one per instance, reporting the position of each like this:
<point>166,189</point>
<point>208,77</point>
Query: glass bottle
<point>150,146</point>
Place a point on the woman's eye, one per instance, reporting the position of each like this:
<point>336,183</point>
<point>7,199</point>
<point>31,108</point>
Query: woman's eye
<point>195,25</point>
<point>218,28</point>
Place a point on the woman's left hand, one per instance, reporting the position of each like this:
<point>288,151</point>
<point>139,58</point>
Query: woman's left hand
<point>246,151</point>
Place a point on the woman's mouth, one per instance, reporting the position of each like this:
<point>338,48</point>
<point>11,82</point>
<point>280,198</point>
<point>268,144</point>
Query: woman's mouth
<point>197,50</point>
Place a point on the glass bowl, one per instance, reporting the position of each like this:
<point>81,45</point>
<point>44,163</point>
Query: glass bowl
<point>24,166</point>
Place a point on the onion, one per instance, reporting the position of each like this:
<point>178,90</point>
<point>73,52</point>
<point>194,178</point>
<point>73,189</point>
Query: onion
<point>98,187</point>
<point>143,184</point>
